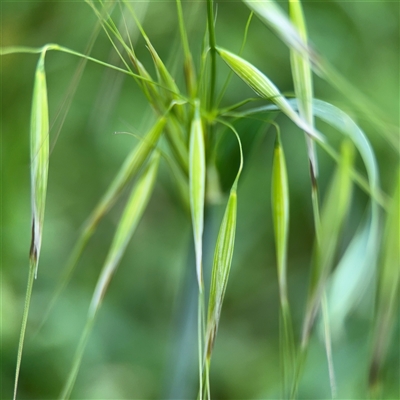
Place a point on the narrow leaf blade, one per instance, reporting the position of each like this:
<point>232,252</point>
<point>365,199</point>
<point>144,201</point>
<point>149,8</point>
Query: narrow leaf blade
<point>389,281</point>
<point>274,17</point>
<point>302,79</point>
<point>334,212</point>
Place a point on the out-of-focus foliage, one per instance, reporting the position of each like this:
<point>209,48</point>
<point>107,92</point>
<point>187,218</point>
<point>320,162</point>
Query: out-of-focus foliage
<point>144,343</point>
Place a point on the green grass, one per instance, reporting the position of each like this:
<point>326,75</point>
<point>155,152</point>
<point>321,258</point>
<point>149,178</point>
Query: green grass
<point>190,176</point>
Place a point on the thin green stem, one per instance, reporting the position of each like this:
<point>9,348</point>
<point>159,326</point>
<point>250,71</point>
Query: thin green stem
<point>231,127</point>
<point>56,47</point>
<point>212,43</point>
<point>182,30</point>
<point>300,361</point>
<point>67,390</point>
<point>200,342</point>
<point>208,391</point>
<point>188,65</point>
<point>324,309</point>
<point>28,295</point>
<point>328,345</point>
<point>48,47</point>
<point>230,74</point>
<point>69,95</point>
<point>226,112</point>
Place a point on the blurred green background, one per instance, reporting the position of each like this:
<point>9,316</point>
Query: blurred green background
<point>144,342</point>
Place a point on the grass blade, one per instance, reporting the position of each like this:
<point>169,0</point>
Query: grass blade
<point>352,276</point>
<point>338,119</point>
<point>356,269</point>
<point>188,66</point>
<point>301,66</point>
<point>265,88</point>
<point>212,44</point>
<point>177,142</point>
<point>132,165</point>
<point>130,218</point>
<point>302,79</point>
<point>336,206</point>
<point>388,291</point>
<point>303,85</point>
<point>274,17</point>
<point>197,179</point>
<point>333,215</point>
<point>39,149</point>
<point>328,344</point>
<point>181,182</point>
<point>280,215</point>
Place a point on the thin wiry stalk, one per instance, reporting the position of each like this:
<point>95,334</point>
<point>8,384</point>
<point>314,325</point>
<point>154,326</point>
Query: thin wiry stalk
<point>335,210</point>
<point>202,78</point>
<point>201,327</point>
<point>328,345</point>
<point>72,87</point>
<point>324,308</point>
<point>188,67</point>
<point>229,77</point>
<point>108,24</point>
<point>69,385</point>
<point>56,47</point>
<point>31,278</point>
<point>387,297</point>
<point>212,43</point>
<point>303,83</point>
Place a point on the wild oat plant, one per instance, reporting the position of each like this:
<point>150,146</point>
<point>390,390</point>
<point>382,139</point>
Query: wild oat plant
<point>203,113</point>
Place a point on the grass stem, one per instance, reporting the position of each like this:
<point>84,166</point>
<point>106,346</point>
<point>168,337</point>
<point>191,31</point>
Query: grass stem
<point>212,43</point>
